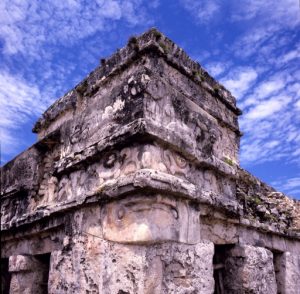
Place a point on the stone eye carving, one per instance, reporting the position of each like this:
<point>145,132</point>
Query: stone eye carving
<point>180,161</point>
<point>175,163</point>
<point>175,213</point>
<point>110,160</point>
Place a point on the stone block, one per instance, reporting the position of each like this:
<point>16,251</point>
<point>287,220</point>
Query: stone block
<point>250,269</point>
<point>287,267</point>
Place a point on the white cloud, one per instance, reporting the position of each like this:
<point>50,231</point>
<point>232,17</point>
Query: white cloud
<point>216,69</point>
<point>289,185</point>
<point>270,142</point>
<point>239,81</point>
<point>8,144</point>
<point>203,10</point>
<point>265,21</point>
<point>291,55</point>
<point>27,25</point>
<point>294,88</point>
<point>271,126</point>
<point>19,102</point>
<point>266,88</point>
<point>16,94</point>
<point>280,13</point>
<point>267,108</point>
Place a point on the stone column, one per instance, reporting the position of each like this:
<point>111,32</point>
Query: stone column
<point>250,269</point>
<point>153,246</point>
<point>287,266</point>
<point>136,245</point>
<point>105,267</point>
<point>29,275</point>
<point>162,268</point>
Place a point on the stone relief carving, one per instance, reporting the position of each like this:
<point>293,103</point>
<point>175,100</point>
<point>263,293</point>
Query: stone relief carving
<point>150,218</point>
<point>110,167</point>
<point>129,160</point>
<point>176,116</point>
<point>80,132</point>
<point>64,189</point>
<point>124,162</point>
<point>175,163</point>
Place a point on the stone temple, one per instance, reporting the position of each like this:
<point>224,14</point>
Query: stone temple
<point>134,186</point>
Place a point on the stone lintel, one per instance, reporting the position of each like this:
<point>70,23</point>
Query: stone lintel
<point>21,263</point>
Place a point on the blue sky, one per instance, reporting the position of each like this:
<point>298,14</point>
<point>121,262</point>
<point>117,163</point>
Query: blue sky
<point>251,46</point>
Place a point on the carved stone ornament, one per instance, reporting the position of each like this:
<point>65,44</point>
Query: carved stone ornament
<point>150,219</point>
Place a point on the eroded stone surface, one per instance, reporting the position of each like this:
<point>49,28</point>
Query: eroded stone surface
<point>250,269</point>
<point>106,267</point>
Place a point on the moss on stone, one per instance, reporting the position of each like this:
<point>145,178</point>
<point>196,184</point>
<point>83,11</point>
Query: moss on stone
<point>164,47</point>
<point>229,161</point>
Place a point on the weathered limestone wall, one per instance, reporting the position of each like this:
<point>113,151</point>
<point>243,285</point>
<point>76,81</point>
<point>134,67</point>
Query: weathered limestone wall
<point>117,268</point>
<point>134,187</point>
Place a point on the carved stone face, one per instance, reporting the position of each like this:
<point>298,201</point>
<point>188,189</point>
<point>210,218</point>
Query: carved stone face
<point>150,219</point>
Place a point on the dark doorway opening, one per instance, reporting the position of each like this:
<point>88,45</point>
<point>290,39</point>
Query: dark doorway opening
<point>5,276</point>
<point>219,263</point>
<point>44,259</point>
<point>279,268</point>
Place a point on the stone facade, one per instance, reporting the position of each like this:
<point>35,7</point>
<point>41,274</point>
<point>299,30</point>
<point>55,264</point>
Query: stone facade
<point>134,186</point>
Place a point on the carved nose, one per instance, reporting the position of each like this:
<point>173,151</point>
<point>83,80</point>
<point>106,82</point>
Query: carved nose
<point>121,213</point>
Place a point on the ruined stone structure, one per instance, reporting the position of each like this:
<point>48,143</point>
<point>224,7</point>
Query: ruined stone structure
<point>134,186</point>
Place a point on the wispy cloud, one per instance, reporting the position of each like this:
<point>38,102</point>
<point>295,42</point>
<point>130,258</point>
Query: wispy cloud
<point>281,12</point>
<point>19,103</point>
<point>271,115</point>
<point>290,185</point>
<point>239,80</point>
<point>267,108</point>
<point>17,96</point>
<point>291,55</point>
<point>25,26</point>
<point>217,69</point>
<point>266,24</point>
<point>203,11</point>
